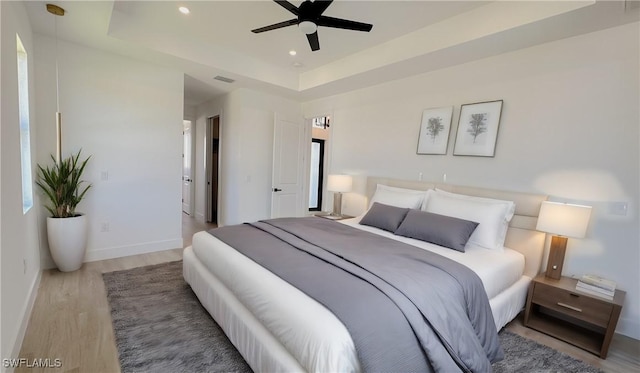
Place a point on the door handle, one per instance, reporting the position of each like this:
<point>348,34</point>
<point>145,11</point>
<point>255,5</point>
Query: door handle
<point>277,190</point>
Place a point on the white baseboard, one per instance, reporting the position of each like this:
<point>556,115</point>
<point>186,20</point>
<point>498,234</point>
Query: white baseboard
<point>122,251</point>
<point>26,315</point>
<point>47,262</point>
<point>199,217</point>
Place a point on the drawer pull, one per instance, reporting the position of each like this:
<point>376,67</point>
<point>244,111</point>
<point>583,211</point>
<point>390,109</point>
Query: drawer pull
<point>569,307</point>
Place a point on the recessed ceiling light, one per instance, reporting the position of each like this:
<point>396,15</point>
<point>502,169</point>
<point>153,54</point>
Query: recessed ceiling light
<point>184,10</point>
<point>297,64</point>
<point>292,53</point>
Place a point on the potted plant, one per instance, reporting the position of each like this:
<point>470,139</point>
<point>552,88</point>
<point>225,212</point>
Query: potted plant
<point>66,228</point>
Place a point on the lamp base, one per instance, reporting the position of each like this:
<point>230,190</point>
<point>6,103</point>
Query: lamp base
<point>557,250</point>
<point>337,204</point>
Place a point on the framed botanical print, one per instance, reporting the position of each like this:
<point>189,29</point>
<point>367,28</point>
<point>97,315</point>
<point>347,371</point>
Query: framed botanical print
<point>434,130</point>
<point>478,129</point>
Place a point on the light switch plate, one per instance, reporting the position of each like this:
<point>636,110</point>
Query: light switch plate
<point>619,208</point>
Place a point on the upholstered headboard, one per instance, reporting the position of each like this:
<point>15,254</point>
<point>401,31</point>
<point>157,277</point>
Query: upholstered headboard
<point>521,235</point>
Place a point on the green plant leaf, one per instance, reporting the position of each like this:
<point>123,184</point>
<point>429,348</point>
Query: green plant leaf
<point>61,184</point>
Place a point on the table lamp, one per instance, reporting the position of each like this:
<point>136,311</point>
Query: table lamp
<point>562,220</point>
<point>338,184</point>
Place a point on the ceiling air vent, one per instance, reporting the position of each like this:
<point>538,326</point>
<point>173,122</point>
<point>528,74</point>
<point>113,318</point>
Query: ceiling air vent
<point>224,79</point>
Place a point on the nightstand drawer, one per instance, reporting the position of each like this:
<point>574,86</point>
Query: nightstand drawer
<point>573,304</point>
<point>554,307</point>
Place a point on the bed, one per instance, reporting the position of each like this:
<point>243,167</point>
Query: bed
<point>277,327</point>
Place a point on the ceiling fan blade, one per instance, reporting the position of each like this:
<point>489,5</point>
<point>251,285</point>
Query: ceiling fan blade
<point>313,41</point>
<point>288,6</point>
<point>343,24</point>
<point>290,22</point>
<point>319,6</point>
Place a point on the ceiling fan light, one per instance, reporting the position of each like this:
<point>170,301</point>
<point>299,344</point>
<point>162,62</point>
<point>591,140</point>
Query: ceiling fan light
<point>307,27</point>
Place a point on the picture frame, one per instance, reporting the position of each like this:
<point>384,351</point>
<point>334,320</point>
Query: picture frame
<point>434,130</point>
<point>478,126</point>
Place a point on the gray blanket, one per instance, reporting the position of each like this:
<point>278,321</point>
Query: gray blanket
<point>407,309</point>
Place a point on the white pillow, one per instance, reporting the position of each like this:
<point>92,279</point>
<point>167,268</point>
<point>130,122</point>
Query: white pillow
<point>398,197</point>
<point>493,215</point>
<point>510,204</point>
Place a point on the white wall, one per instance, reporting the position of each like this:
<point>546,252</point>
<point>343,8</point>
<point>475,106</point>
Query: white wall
<point>246,152</point>
<point>1,349</point>
<point>19,232</point>
<point>569,129</point>
<point>189,112</point>
<point>128,116</point>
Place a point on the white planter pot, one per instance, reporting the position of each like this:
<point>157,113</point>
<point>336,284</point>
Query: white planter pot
<point>67,241</point>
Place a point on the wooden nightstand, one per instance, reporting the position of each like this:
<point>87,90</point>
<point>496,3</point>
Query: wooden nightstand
<point>556,308</point>
<point>327,215</point>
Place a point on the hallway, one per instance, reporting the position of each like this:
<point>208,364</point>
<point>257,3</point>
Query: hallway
<point>190,226</point>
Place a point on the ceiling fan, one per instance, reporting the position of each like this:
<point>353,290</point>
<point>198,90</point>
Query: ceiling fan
<point>309,17</point>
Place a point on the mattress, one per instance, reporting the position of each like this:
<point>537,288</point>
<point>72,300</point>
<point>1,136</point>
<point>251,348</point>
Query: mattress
<point>325,344</point>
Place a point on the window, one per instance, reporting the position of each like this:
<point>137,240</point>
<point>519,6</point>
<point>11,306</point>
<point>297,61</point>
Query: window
<point>317,167</point>
<point>25,138</point>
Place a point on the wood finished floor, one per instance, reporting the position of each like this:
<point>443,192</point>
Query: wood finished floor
<point>71,320</point>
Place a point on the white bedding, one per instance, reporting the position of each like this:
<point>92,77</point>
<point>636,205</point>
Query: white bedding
<point>325,344</point>
<point>497,269</point>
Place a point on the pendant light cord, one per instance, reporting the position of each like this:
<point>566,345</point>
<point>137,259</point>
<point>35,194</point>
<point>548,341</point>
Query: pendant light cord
<point>57,70</point>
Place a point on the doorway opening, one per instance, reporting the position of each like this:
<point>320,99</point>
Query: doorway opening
<point>212,153</point>
<point>319,140</point>
<point>187,167</point>
<point>317,175</point>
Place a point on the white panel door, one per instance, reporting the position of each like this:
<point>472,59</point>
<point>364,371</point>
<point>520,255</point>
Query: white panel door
<point>288,170</point>
<point>186,167</point>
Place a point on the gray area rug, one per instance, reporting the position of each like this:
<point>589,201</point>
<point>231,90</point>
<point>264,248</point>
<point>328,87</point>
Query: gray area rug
<point>160,326</point>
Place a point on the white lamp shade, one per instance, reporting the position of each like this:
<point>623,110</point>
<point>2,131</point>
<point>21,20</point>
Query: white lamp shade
<point>339,183</point>
<point>564,219</point>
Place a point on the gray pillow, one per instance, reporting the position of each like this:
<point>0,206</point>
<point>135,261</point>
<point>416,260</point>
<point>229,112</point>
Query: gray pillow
<point>441,230</point>
<point>384,216</point>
